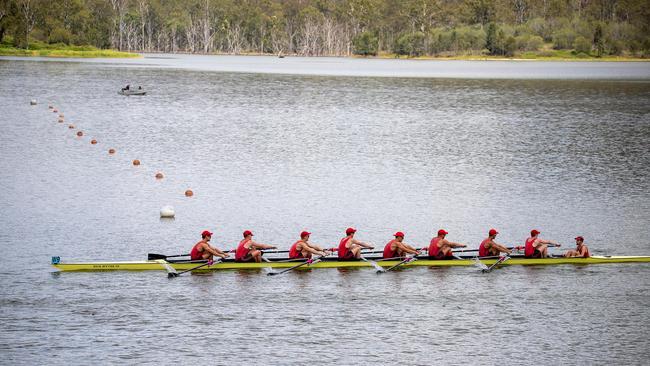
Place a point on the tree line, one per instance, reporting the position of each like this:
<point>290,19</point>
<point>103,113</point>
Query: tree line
<point>335,27</point>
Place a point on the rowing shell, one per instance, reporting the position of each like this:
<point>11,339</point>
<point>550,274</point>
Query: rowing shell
<point>159,265</point>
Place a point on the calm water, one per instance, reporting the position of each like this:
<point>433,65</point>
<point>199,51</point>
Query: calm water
<point>278,154</point>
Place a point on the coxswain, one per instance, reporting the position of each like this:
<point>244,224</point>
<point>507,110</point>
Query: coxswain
<point>536,247</point>
<point>490,248</point>
<point>396,248</point>
<point>581,249</point>
<point>304,249</point>
<point>441,248</point>
<point>203,250</point>
<point>349,247</point>
<point>248,250</point>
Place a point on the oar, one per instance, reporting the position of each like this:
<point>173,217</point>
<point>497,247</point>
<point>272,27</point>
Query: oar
<point>407,260</point>
<point>499,261</point>
<point>308,261</point>
<point>154,256</point>
<point>374,264</point>
<point>176,274</point>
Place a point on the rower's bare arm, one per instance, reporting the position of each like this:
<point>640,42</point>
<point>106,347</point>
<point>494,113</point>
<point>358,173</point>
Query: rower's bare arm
<point>316,247</point>
<point>407,248</point>
<point>365,245</point>
<point>547,242</point>
<point>501,248</point>
<point>313,250</point>
<point>457,245</point>
<point>217,252</point>
<point>262,246</point>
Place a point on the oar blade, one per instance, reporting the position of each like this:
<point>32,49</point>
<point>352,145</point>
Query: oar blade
<point>154,256</point>
<point>479,264</point>
<point>379,268</point>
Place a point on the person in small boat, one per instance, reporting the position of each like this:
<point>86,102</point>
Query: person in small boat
<point>581,249</point>
<point>396,248</point>
<point>203,250</point>
<point>489,247</point>
<point>139,87</point>
<point>127,87</point>
<point>349,247</point>
<point>536,247</point>
<point>441,248</point>
<point>304,249</point>
<point>249,250</point>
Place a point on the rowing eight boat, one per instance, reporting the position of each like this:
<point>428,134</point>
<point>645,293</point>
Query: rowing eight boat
<point>332,263</point>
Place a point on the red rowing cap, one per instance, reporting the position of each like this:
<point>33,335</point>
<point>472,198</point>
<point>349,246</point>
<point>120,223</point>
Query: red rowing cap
<point>350,230</point>
<point>442,232</point>
<point>580,238</point>
<point>247,233</point>
<point>493,232</point>
<point>206,233</point>
<point>399,234</point>
<point>534,232</point>
<point>305,233</point>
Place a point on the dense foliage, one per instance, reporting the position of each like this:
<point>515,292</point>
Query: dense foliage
<point>335,27</point>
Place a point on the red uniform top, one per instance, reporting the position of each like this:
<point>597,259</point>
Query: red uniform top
<point>242,252</point>
<point>433,248</point>
<point>482,250</point>
<point>195,255</point>
<point>529,250</point>
<point>294,252</point>
<point>390,253</point>
<point>587,254</point>
<point>344,251</point>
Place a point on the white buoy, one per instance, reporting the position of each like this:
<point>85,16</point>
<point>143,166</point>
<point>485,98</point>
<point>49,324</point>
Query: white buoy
<point>167,211</point>
<point>32,102</point>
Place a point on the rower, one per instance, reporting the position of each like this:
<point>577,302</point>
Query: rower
<point>581,249</point>
<point>440,248</point>
<point>203,250</point>
<point>536,247</point>
<point>304,249</point>
<point>349,247</point>
<point>396,248</point>
<point>248,250</point>
<point>489,247</point>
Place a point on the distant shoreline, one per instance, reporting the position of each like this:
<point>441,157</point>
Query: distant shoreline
<point>72,52</point>
<point>66,53</point>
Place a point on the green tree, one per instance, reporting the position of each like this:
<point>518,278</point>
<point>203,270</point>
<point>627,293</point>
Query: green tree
<point>366,44</point>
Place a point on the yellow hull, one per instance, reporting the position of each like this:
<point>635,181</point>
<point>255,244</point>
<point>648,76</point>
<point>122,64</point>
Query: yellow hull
<point>158,265</point>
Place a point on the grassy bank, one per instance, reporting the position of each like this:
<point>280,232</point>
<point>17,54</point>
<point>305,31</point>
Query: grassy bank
<point>542,55</point>
<point>60,50</point>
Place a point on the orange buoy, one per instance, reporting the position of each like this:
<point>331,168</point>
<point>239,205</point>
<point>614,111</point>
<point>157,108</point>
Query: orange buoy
<point>70,126</point>
<point>136,162</point>
<point>189,193</point>
<point>93,141</point>
<point>80,133</point>
<point>60,120</point>
<point>159,175</point>
<point>111,151</point>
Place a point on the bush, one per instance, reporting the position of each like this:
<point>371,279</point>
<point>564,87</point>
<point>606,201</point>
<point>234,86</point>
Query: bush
<point>582,45</point>
<point>616,48</point>
<point>60,35</point>
<point>411,44</point>
<point>510,46</point>
<point>534,43</point>
<point>366,44</point>
<point>563,39</point>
